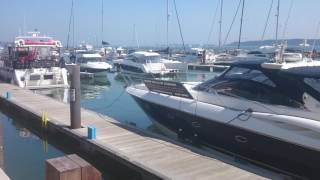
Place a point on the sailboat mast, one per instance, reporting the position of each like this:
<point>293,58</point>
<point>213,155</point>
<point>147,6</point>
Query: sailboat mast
<point>73,26</point>
<point>267,21</point>
<point>168,24</point>
<point>70,21</point>
<point>102,20</point>
<point>220,22</point>
<point>241,22</point>
<point>277,22</point>
<point>178,19</point>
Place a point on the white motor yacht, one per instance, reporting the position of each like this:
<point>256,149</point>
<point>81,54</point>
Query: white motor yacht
<point>91,62</point>
<point>263,111</point>
<point>143,62</point>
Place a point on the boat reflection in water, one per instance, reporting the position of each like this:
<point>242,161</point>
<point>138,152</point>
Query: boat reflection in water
<point>91,88</point>
<point>60,94</point>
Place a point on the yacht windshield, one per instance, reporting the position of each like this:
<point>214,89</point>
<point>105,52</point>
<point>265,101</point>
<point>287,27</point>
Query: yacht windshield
<point>314,83</point>
<point>152,59</point>
<point>238,73</point>
<point>145,59</point>
<point>248,74</point>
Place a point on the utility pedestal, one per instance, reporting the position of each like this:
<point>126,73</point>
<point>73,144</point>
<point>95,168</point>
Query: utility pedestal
<point>75,95</point>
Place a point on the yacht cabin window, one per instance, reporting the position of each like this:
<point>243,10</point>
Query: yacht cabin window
<point>249,84</point>
<point>251,90</point>
<point>145,59</point>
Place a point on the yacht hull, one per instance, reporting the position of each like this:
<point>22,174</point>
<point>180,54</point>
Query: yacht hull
<point>270,152</point>
<point>36,78</point>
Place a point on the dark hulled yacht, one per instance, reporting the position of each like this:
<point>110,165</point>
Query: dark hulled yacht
<point>264,111</point>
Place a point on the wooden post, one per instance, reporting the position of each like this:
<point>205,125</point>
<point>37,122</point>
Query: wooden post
<point>70,167</point>
<point>75,106</point>
<point>62,168</point>
<point>88,172</point>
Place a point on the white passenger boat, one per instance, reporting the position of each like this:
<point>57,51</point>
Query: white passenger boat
<point>34,62</point>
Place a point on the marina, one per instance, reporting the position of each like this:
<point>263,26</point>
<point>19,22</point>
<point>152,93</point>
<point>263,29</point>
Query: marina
<point>127,145</point>
<point>166,89</point>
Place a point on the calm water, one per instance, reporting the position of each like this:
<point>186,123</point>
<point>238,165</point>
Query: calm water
<point>107,95</point>
<point>24,153</point>
<point>26,148</point>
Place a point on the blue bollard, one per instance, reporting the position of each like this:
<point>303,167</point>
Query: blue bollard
<point>92,132</point>
<point>8,95</point>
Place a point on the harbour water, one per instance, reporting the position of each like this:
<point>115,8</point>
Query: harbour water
<point>26,149</point>
<point>106,95</point>
<point>24,152</point>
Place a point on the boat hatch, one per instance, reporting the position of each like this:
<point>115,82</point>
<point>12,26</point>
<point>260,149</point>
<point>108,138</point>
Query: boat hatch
<point>168,87</point>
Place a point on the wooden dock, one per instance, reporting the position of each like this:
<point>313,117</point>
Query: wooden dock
<point>146,153</point>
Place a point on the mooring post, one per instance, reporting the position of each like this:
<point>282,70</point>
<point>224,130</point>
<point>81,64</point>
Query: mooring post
<point>71,167</point>
<point>75,108</point>
<point>204,54</point>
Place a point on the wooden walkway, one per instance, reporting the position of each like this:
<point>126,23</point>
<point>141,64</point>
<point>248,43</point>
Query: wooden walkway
<point>163,159</point>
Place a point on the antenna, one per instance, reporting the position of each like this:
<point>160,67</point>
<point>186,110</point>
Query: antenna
<point>241,22</point>
<point>220,22</point>
<point>135,35</point>
<point>24,25</point>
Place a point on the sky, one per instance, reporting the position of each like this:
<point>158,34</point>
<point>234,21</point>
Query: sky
<point>51,17</point>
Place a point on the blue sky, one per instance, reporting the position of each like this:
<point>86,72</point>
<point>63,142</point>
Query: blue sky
<point>52,18</point>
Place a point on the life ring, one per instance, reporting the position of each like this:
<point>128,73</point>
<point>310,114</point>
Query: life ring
<point>58,44</point>
<point>20,42</point>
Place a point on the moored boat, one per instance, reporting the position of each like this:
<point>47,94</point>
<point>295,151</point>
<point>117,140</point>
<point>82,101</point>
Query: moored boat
<point>147,63</point>
<point>90,62</point>
<point>34,62</point>
<point>261,110</point>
